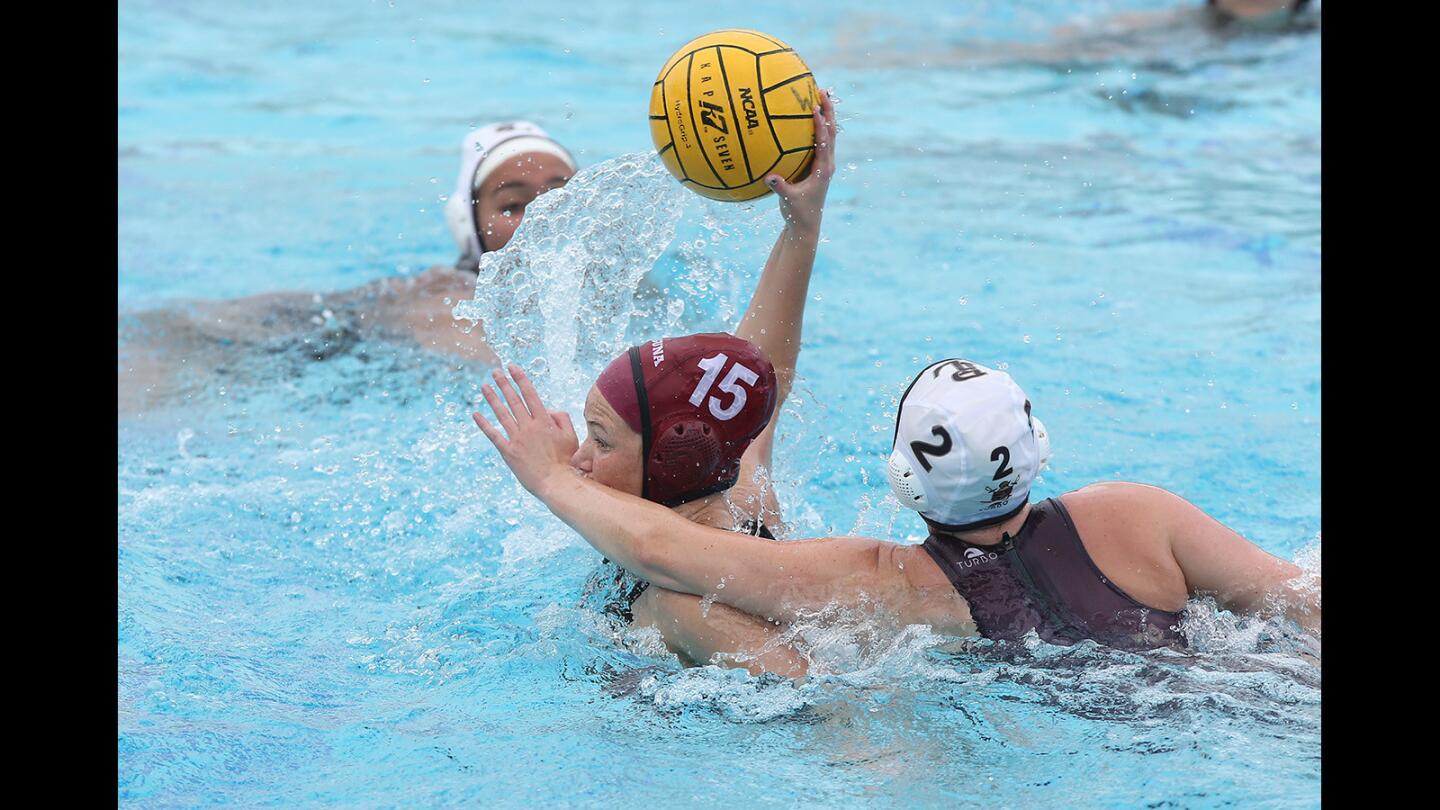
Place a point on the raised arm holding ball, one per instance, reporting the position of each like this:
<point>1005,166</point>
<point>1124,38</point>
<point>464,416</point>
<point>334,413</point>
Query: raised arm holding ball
<point>689,422</point>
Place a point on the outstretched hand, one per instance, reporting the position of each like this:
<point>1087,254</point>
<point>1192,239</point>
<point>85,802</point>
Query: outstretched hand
<point>536,443</point>
<point>802,202</point>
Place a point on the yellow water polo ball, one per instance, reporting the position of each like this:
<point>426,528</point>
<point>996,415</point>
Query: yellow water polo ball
<point>731,107</point>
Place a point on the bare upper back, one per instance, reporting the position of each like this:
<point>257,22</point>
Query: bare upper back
<point>1125,530</point>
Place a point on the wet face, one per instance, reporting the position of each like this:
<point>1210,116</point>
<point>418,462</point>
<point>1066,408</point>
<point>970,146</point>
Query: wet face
<point>500,202</point>
<point>611,451</point>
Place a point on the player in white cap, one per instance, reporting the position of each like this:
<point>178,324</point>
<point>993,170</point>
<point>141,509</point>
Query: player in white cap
<point>966,451</point>
<point>503,168</point>
<point>979,447</point>
<point>1112,561</point>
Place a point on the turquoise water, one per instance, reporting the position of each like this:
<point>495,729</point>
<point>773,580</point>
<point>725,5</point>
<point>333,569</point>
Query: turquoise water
<point>332,593</point>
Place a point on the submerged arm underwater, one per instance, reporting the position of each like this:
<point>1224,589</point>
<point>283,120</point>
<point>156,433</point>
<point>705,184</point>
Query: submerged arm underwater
<point>169,353</point>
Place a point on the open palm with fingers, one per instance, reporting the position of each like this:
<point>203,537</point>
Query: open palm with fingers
<point>536,443</point>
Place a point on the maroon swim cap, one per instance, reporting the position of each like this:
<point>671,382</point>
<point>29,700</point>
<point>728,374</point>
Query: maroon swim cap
<point>697,403</point>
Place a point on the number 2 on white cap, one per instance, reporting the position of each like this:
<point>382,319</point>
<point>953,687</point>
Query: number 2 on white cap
<point>712,366</point>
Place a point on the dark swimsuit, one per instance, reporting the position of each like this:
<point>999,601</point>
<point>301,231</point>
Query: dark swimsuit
<point>1043,579</point>
<point>626,587</point>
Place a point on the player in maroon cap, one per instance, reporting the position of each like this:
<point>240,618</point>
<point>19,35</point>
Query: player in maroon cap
<point>696,404</point>
<point>688,422</point>
<point>670,392</point>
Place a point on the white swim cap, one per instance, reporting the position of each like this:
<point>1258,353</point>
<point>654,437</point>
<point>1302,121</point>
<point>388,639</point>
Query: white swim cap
<point>481,152</point>
<point>966,446</point>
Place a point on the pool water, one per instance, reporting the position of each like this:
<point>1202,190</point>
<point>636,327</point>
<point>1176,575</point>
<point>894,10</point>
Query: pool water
<point>331,591</point>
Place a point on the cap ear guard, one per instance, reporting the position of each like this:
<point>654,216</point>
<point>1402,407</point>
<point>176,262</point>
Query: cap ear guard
<point>690,449</point>
<point>904,483</point>
<point>1042,440</point>
<point>460,219</point>
<point>687,453</point>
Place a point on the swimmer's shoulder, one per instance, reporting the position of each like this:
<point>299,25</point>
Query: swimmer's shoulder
<point>753,497</point>
<point>1126,528</point>
<point>438,280</point>
<point>421,298</point>
<point>446,274</point>
<point>1119,508</point>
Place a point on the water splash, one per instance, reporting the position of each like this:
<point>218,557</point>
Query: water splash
<point>1264,670</point>
<point>1213,630</point>
<point>560,297</point>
